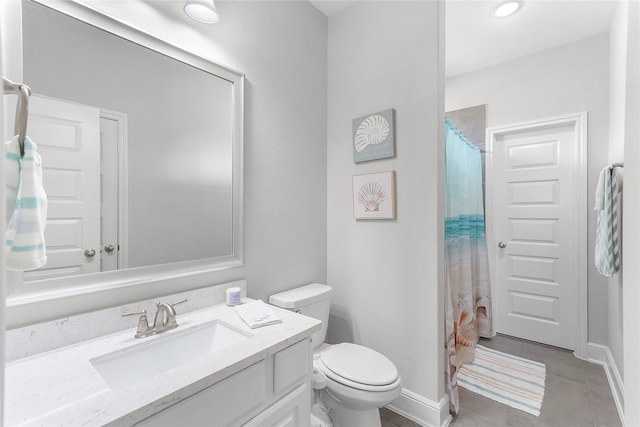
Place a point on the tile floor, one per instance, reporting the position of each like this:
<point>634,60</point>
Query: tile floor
<point>577,394</point>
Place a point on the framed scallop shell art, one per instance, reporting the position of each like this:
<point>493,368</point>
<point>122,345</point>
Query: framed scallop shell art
<point>374,195</point>
<point>374,136</point>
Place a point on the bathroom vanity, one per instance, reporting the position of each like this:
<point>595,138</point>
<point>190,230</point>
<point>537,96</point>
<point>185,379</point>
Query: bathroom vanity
<point>274,391</point>
<point>211,370</point>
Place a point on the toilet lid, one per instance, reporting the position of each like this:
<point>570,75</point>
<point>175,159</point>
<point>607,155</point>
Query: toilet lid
<point>360,364</point>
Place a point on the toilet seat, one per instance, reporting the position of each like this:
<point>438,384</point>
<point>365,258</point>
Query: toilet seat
<point>358,367</point>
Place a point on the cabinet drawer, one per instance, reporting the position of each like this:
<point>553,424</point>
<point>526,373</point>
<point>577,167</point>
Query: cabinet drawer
<point>224,403</point>
<point>290,366</point>
<point>293,410</point>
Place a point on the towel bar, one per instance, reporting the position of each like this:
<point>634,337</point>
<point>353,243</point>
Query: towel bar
<point>22,109</point>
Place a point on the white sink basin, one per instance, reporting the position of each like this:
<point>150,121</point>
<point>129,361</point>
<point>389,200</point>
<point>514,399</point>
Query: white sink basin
<point>123,368</point>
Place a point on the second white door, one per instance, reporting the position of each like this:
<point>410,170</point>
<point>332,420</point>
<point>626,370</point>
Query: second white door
<point>534,215</point>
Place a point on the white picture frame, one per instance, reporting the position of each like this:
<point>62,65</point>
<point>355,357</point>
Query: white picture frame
<point>374,195</point>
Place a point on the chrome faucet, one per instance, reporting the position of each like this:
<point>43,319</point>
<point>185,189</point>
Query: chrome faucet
<point>164,320</point>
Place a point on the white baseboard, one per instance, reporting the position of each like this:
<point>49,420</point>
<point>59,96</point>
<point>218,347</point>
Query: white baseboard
<point>421,410</point>
<point>601,354</point>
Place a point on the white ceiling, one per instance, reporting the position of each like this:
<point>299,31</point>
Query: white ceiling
<point>475,39</point>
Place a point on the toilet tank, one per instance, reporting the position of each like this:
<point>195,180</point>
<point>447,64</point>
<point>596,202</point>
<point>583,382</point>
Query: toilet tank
<point>312,300</point>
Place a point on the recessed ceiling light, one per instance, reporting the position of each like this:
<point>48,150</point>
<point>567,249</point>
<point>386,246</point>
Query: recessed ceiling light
<point>506,9</point>
<point>202,11</point>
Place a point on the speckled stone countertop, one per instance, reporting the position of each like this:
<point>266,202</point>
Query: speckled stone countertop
<point>61,387</point>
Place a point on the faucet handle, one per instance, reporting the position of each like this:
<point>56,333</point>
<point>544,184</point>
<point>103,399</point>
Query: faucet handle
<point>135,313</point>
<point>172,313</point>
<point>178,302</point>
<point>158,304</point>
<point>166,316</point>
<point>143,329</point>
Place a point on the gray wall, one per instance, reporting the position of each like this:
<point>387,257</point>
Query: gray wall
<point>281,46</point>
<point>568,79</point>
<point>387,274</point>
<point>616,153</point>
<point>626,107</point>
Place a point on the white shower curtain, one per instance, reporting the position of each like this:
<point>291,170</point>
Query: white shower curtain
<point>467,285</point>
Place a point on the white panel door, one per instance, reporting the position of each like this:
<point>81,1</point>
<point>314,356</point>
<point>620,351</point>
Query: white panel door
<point>68,139</point>
<point>533,214</point>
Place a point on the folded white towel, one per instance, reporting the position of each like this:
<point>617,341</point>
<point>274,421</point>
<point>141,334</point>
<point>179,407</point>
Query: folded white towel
<point>26,206</point>
<point>256,314</point>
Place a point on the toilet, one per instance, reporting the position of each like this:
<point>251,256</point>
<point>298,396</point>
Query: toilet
<point>354,381</point>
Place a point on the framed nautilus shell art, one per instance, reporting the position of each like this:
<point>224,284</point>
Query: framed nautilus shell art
<point>374,195</point>
<point>374,136</point>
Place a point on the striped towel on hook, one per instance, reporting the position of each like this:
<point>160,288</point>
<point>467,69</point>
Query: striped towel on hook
<point>607,251</point>
<point>26,205</point>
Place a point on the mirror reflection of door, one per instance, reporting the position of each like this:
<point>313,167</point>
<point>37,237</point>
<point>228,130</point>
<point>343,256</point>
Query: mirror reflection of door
<point>79,151</point>
<point>113,194</point>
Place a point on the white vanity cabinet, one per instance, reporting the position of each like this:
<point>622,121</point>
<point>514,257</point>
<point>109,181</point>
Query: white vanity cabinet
<point>273,392</point>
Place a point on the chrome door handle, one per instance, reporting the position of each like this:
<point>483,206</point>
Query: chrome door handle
<point>502,245</point>
<point>109,248</point>
<point>89,253</point>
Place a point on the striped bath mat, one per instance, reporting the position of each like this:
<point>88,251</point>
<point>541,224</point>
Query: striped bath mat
<point>511,380</point>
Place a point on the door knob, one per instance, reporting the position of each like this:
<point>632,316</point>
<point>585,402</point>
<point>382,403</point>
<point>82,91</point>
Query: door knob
<point>502,245</point>
<point>109,248</point>
<point>89,253</point>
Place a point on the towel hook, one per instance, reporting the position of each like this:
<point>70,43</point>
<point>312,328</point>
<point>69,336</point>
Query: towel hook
<point>22,108</point>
